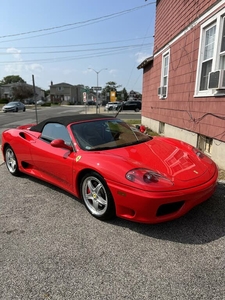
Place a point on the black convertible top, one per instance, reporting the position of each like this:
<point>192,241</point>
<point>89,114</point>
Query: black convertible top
<point>66,120</point>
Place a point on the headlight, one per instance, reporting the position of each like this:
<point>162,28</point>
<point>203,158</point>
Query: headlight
<point>149,177</point>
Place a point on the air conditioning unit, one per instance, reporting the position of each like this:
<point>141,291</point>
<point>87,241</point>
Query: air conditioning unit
<point>217,80</point>
<point>162,92</point>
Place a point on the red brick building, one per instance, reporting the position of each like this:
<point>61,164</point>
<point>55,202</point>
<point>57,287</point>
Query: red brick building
<point>184,81</point>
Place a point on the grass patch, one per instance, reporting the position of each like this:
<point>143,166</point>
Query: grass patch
<point>133,122</point>
<point>152,133</point>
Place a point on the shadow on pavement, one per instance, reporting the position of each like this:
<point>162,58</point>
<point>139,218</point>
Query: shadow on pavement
<point>203,224</point>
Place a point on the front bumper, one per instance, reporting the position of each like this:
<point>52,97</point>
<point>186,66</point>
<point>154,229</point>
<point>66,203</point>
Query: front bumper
<point>155,207</point>
<point>9,109</point>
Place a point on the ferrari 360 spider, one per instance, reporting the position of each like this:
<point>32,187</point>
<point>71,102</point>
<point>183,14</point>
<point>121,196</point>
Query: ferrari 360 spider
<point>112,167</point>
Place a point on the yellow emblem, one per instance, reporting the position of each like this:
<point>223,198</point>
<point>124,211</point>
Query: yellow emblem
<point>78,158</point>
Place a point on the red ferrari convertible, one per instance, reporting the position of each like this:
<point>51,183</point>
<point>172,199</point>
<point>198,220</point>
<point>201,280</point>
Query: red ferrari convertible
<point>114,168</point>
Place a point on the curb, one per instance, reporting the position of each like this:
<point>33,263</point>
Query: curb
<point>221,181</point>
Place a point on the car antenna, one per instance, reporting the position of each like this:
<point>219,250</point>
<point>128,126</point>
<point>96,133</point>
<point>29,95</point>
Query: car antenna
<point>119,110</point>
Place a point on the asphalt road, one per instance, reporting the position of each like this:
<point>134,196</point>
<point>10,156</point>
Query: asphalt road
<point>52,248</point>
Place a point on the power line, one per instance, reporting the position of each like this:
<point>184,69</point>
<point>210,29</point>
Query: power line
<point>80,50</point>
<point>80,45</point>
<point>60,59</point>
<point>82,23</point>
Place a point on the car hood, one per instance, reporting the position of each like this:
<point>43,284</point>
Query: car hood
<point>9,105</point>
<point>168,159</point>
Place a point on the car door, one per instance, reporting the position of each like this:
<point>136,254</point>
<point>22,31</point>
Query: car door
<point>54,164</point>
<point>18,106</point>
<point>128,106</point>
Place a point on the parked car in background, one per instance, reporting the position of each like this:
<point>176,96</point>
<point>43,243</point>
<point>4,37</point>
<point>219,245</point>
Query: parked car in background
<point>130,105</point>
<point>40,102</point>
<point>90,102</point>
<point>29,101</point>
<point>14,106</point>
<point>112,105</point>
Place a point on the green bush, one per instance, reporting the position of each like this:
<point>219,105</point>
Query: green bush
<point>4,101</point>
<point>46,104</point>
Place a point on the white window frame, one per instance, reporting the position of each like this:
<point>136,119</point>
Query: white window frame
<point>217,20</point>
<point>163,74</point>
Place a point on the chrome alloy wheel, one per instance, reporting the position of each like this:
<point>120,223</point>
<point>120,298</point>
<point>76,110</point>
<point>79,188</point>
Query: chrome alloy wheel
<point>11,161</point>
<point>95,196</point>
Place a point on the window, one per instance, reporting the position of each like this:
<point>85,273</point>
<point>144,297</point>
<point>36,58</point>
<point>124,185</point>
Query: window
<point>161,127</point>
<point>211,52</point>
<point>208,56</point>
<point>164,75</point>
<point>165,69</point>
<point>222,49</point>
<point>205,144</point>
<point>53,131</point>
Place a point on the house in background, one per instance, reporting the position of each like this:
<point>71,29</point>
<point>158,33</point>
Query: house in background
<point>6,91</point>
<point>65,92</point>
<point>184,80</point>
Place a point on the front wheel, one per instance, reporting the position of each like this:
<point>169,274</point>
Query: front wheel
<point>97,196</point>
<point>11,161</point>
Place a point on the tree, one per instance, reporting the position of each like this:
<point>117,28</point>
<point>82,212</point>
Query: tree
<point>22,91</point>
<point>12,79</point>
<point>110,86</point>
<point>122,95</point>
<point>47,92</point>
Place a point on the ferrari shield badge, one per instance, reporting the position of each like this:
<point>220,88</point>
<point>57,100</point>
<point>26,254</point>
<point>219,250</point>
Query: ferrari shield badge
<point>78,158</point>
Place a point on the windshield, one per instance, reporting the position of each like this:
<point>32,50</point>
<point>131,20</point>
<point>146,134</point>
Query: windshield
<point>12,103</point>
<point>107,134</point>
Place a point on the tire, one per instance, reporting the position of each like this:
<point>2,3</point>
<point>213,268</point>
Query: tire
<point>11,161</point>
<point>137,109</point>
<point>17,109</point>
<point>97,197</point>
<point>24,109</point>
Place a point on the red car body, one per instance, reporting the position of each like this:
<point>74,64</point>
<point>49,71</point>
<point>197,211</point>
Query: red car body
<point>151,180</point>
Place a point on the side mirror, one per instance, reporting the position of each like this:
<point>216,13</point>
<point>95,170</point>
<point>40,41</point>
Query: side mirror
<point>58,143</point>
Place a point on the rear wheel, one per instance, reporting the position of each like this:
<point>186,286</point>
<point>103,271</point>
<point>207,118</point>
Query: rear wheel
<point>97,196</point>
<point>24,109</point>
<point>11,161</point>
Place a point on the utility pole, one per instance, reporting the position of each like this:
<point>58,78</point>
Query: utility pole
<point>97,87</point>
<point>35,99</point>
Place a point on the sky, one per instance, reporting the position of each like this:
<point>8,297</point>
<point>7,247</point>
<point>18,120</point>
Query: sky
<point>76,41</point>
